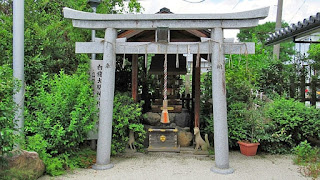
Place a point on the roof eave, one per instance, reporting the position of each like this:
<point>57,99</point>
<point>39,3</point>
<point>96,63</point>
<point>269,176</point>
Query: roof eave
<point>296,34</point>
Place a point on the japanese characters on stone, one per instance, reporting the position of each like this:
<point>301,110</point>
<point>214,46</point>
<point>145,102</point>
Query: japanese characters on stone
<point>96,77</point>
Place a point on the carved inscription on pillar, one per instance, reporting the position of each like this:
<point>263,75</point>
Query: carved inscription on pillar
<point>96,77</point>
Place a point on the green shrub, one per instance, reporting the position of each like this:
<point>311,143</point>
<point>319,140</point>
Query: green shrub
<point>311,126</point>
<point>82,158</point>
<point>289,123</point>
<point>7,112</point>
<point>126,116</point>
<point>237,123</point>
<point>38,144</point>
<point>305,153</point>
<point>60,112</point>
<point>240,126</point>
<point>309,158</point>
<point>55,166</point>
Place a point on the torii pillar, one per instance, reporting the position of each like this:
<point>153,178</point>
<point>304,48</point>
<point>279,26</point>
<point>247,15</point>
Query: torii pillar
<point>106,101</point>
<point>219,98</point>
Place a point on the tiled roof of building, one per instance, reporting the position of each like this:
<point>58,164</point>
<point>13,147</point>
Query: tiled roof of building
<point>294,31</point>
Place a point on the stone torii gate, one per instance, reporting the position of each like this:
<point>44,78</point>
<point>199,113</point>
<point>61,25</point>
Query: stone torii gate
<point>215,46</point>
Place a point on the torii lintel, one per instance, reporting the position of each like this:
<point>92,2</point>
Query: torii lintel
<point>237,20</point>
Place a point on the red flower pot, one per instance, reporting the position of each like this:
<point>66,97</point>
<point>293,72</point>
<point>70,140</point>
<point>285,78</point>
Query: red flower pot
<point>248,149</point>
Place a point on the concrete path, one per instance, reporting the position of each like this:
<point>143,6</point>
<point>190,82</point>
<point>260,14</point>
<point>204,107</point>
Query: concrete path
<point>175,166</point>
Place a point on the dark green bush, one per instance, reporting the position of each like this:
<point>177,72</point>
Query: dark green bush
<point>289,123</point>
<point>126,116</point>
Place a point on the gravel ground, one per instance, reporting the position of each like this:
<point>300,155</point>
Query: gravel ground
<point>188,166</point>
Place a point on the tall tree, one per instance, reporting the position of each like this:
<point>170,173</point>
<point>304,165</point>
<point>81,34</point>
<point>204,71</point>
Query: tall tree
<point>49,37</point>
<point>314,55</point>
<point>260,33</point>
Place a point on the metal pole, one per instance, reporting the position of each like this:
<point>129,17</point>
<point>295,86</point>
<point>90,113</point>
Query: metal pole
<point>18,61</point>
<point>276,48</point>
<point>93,143</point>
<point>106,101</point>
<point>221,147</point>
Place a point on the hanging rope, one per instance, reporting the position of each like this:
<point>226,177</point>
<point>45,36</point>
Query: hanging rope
<point>165,114</point>
<point>198,57</point>
<point>124,58</point>
<point>165,75</point>
<point>240,55</point>
<point>246,55</point>
<point>177,58</point>
<point>146,57</point>
<point>209,50</point>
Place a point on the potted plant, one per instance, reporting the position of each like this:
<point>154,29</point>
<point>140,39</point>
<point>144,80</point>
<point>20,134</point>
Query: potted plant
<point>254,130</point>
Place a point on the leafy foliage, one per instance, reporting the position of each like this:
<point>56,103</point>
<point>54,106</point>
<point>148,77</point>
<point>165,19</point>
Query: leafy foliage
<point>49,37</point>
<point>305,153</point>
<point>59,114</point>
<point>309,158</point>
<point>283,123</point>
<point>7,111</point>
<point>55,165</point>
<point>314,54</point>
<point>237,123</point>
<point>245,123</point>
<point>59,107</point>
<point>289,123</point>
<point>126,116</point>
<point>261,32</point>
<point>62,110</point>
<point>5,33</point>
<point>277,77</point>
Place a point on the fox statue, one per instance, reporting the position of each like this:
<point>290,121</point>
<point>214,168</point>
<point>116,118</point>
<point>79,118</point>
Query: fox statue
<point>200,143</point>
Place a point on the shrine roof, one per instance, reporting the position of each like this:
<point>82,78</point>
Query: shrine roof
<point>130,33</point>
